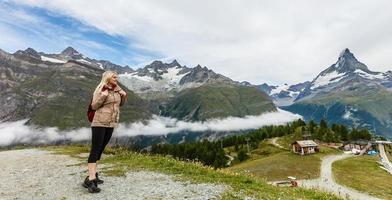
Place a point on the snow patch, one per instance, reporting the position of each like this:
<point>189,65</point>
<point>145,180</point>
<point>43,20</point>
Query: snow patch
<point>135,76</point>
<point>140,84</point>
<point>327,79</point>
<point>53,60</point>
<point>293,94</point>
<point>100,65</point>
<point>171,75</point>
<point>379,75</point>
<point>279,89</point>
<point>150,70</point>
<point>84,61</point>
<point>347,114</point>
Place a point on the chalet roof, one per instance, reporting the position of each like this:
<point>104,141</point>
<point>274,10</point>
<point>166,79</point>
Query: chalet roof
<point>306,143</point>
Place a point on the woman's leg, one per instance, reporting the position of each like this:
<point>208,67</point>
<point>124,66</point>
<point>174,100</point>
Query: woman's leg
<point>108,135</point>
<point>97,139</point>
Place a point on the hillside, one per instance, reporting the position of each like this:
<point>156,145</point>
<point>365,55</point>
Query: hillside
<point>363,107</point>
<point>53,90</point>
<point>275,164</point>
<point>54,94</point>
<point>218,101</point>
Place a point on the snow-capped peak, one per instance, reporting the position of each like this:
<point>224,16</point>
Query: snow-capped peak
<point>278,89</point>
<point>157,76</point>
<point>348,63</point>
<point>347,71</point>
<point>345,52</point>
<point>346,66</point>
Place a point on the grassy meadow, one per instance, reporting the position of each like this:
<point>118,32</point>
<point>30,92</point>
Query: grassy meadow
<point>272,163</point>
<point>242,185</point>
<point>364,174</point>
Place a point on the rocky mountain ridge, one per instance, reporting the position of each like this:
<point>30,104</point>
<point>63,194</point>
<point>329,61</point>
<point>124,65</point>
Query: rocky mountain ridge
<point>346,70</point>
<point>49,89</point>
<point>69,54</point>
<point>349,93</point>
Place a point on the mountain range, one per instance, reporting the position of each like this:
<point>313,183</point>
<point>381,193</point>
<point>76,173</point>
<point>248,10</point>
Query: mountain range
<point>53,90</point>
<point>347,92</point>
<point>50,89</point>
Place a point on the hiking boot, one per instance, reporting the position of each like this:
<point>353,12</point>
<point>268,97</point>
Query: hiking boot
<point>91,185</point>
<point>99,181</point>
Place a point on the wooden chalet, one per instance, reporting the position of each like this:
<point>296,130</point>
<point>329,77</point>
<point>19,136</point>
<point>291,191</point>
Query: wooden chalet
<point>304,147</point>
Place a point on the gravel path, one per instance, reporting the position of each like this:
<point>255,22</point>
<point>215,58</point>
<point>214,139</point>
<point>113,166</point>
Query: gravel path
<point>37,174</point>
<point>327,183</point>
<point>274,142</point>
<point>231,158</point>
<point>384,159</point>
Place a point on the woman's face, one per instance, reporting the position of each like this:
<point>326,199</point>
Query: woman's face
<point>113,80</point>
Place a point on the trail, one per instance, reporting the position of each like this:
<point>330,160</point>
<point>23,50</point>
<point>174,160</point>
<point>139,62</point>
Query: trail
<point>274,142</point>
<point>38,174</point>
<point>327,183</point>
<point>384,159</point>
<point>231,158</point>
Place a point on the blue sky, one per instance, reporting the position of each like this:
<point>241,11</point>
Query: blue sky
<point>50,32</point>
<point>270,41</point>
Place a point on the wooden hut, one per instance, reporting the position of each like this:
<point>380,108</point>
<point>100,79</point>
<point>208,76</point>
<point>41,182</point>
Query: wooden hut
<point>304,147</point>
<point>355,144</point>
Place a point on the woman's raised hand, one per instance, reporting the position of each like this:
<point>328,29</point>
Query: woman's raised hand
<point>105,93</point>
<point>122,93</point>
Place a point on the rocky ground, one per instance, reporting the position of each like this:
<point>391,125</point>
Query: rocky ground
<point>38,174</point>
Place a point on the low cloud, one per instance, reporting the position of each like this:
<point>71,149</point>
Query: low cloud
<point>18,133</point>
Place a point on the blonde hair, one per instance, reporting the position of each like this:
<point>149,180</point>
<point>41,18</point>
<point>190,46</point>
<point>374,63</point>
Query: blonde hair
<point>106,76</point>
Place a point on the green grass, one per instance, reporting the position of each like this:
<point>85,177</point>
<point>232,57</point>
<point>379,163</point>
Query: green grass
<point>277,164</point>
<point>17,147</point>
<point>241,185</point>
<point>281,165</point>
<point>265,149</point>
<point>364,174</point>
<point>287,140</point>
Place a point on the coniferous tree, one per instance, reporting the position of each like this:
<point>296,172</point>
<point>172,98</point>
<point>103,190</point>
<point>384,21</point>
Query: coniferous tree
<point>323,124</point>
<point>242,155</point>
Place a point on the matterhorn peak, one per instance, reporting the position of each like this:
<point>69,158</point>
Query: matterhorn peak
<point>348,63</point>
<point>345,52</point>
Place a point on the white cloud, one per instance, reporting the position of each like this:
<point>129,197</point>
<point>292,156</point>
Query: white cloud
<point>21,29</point>
<point>18,133</point>
<point>260,41</point>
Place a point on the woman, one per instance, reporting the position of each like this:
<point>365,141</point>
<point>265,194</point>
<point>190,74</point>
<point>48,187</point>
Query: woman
<point>107,99</point>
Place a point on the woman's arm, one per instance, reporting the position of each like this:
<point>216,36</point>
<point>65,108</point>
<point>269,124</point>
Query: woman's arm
<point>124,97</point>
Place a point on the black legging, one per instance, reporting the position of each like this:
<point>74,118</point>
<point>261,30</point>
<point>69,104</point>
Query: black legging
<point>100,138</point>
